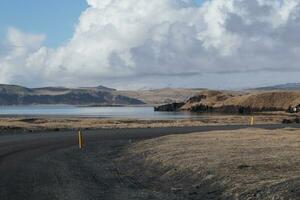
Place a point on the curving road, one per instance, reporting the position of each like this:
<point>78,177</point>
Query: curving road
<point>50,166</point>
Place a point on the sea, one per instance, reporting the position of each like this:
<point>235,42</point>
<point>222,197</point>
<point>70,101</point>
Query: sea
<point>92,112</point>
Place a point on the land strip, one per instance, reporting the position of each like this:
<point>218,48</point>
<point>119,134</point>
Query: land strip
<point>59,123</point>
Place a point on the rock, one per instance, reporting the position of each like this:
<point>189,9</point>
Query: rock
<point>287,121</point>
<point>243,166</point>
<point>176,190</point>
<point>169,107</point>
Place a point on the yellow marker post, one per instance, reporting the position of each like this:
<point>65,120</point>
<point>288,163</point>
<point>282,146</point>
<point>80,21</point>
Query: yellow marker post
<point>80,139</point>
<point>252,121</point>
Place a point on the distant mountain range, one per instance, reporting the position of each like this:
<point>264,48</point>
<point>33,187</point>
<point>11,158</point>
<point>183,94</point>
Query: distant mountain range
<point>104,96</point>
<point>94,96</point>
<point>18,95</point>
<point>288,86</point>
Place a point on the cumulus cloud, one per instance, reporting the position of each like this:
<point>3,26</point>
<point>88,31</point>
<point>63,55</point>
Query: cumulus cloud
<point>16,49</point>
<point>163,42</point>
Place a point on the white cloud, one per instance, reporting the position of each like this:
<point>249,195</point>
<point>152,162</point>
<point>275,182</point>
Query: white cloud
<point>18,47</point>
<point>126,40</point>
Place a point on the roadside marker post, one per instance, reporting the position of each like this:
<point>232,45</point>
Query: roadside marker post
<point>80,139</point>
<point>252,121</point>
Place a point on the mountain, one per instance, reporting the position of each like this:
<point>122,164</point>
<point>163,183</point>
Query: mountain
<point>18,95</point>
<point>102,88</point>
<point>288,86</point>
<point>100,95</point>
<point>162,96</point>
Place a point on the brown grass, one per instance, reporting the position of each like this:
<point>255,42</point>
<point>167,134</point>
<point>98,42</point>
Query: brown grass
<point>246,164</point>
<point>278,99</point>
<point>275,100</point>
<point>91,123</point>
<point>161,96</point>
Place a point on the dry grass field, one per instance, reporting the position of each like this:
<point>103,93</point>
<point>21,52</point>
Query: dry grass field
<point>52,123</point>
<point>243,164</point>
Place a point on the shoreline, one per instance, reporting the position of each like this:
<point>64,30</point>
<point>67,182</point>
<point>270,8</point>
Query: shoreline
<point>55,123</point>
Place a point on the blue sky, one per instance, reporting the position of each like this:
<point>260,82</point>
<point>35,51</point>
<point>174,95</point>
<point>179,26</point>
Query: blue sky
<point>54,18</point>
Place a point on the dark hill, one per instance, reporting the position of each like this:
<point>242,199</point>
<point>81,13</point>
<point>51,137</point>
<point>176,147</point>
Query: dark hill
<point>18,95</point>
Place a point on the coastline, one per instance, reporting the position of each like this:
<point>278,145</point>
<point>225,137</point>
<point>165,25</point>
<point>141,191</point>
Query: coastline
<point>58,123</point>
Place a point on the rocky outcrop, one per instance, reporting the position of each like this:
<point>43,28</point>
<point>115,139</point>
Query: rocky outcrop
<point>233,102</point>
<point>201,108</point>
<point>169,107</point>
<point>291,121</point>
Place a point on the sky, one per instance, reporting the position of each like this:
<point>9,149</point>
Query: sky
<point>129,44</point>
<point>55,18</point>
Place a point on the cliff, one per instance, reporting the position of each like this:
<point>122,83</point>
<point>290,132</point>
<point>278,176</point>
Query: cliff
<point>237,102</point>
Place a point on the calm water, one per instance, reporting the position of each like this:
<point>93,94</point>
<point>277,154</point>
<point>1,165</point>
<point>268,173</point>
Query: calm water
<point>101,112</point>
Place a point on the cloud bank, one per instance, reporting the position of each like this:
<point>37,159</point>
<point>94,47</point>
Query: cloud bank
<point>129,43</point>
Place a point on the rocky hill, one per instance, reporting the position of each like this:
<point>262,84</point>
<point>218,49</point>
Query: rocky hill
<point>18,95</point>
<point>162,96</point>
<point>236,102</point>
